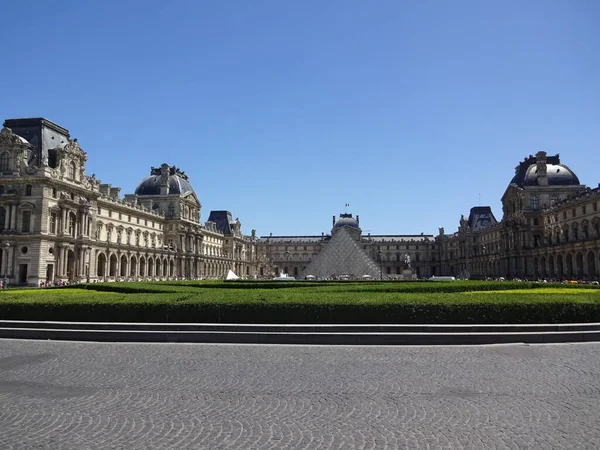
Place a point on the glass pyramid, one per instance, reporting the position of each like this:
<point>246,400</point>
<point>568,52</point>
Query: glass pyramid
<point>342,256</point>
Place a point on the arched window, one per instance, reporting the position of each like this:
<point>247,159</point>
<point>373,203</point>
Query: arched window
<point>5,162</point>
<point>72,170</point>
<point>535,202</point>
<point>72,221</point>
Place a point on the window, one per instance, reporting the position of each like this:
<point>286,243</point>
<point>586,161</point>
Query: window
<point>28,190</point>
<point>584,209</point>
<point>72,220</point>
<point>53,223</point>
<point>72,170</point>
<point>2,218</point>
<point>595,206</point>
<point>129,218</point>
<point>535,202</point>
<point>99,210</point>
<point>138,220</point>
<point>1,189</point>
<point>120,216</point>
<point>564,215</point>
<point>55,194</point>
<point>26,221</point>
<point>5,162</point>
<point>109,213</point>
<point>574,212</point>
<point>535,221</point>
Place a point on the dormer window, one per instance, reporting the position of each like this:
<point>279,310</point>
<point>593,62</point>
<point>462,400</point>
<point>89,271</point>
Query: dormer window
<point>5,162</point>
<point>72,170</point>
<point>535,202</point>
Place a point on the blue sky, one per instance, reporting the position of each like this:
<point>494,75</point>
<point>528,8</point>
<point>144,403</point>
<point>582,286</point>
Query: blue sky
<point>283,112</point>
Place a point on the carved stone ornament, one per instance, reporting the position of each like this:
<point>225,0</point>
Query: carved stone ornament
<point>10,139</point>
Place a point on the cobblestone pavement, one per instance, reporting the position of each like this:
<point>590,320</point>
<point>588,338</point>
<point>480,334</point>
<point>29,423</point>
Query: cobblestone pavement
<point>60,395</point>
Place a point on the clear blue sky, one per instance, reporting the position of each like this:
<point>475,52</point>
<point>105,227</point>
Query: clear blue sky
<point>284,111</point>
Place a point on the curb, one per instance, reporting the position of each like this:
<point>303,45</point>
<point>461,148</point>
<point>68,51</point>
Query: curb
<point>328,334</point>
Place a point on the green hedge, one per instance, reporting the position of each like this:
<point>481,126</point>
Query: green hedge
<point>185,311</point>
<point>307,302</point>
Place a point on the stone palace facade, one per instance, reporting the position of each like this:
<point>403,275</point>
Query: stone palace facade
<point>58,223</point>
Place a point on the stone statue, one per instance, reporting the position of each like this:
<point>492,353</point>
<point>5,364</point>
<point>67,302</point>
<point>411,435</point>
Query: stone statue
<point>407,260</point>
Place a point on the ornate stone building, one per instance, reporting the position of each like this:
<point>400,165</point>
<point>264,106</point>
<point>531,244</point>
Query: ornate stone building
<point>550,229</point>
<point>59,224</point>
<point>294,254</point>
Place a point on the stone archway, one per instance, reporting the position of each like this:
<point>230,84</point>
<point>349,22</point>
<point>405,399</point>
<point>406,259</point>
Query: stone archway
<point>579,265</point>
<point>150,267</point>
<point>171,268</point>
<point>123,268</point>
<point>142,267</point>
<point>551,271</point>
<point>591,266</point>
<point>158,266</point>
<point>543,266</point>
<point>560,269</point>
<point>133,266</point>
<point>70,264</point>
<point>569,265</point>
<point>536,267</point>
<point>101,264</point>
<point>112,270</point>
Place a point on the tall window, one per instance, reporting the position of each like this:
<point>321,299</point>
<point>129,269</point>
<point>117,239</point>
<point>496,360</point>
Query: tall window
<point>26,221</point>
<point>72,220</point>
<point>2,217</point>
<point>535,202</point>
<point>72,170</point>
<point>28,190</point>
<point>53,223</point>
<point>5,162</point>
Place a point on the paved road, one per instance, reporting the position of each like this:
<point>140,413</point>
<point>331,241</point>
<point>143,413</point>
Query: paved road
<point>58,395</point>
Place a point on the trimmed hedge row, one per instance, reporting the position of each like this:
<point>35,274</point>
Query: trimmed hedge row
<point>340,286</point>
<point>187,311</point>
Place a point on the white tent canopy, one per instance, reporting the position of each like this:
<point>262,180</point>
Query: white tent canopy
<point>231,276</point>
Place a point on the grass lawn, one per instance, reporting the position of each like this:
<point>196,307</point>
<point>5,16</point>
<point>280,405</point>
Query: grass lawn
<point>308,302</point>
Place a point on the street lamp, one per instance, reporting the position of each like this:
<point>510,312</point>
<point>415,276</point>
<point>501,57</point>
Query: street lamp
<point>380,259</point>
<point>484,263</point>
<point>89,248</point>
<point>6,271</point>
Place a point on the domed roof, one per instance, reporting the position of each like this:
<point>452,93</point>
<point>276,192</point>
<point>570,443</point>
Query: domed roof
<point>345,220</point>
<point>558,174</point>
<point>178,183</point>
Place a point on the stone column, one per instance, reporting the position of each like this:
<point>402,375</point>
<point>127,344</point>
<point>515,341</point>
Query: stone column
<point>7,217</point>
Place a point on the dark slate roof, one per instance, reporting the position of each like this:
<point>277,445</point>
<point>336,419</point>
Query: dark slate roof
<point>346,220</point>
<point>178,183</point>
<point>481,217</point>
<point>558,174</point>
<point>223,221</point>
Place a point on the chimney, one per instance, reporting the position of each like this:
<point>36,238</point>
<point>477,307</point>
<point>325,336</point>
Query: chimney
<point>164,178</point>
<point>540,161</point>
